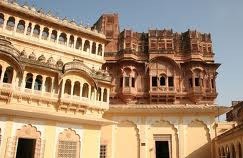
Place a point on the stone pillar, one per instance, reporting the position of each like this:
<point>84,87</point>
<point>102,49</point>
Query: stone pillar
<point>89,91</point>
<point>58,35</point>
<point>96,51</point>
<point>52,86</point>
<point>26,27</point>
<point>63,86</point>
<point>90,47</point>
<point>16,24</point>
<point>103,50</point>
<point>102,94</point>
<point>83,41</point>
<point>33,82</point>
<point>81,90</point>
<point>143,142</point>
<point>32,29</point>
<point>43,85</point>
<point>14,78</point>
<point>49,34</point>
<point>95,95</point>
<point>68,39</point>
<point>72,87</point>
<point>74,41</point>
<point>6,17</point>
<point>108,95</point>
<point>3,72</point>
<point>23,83</point>
<point>41,31</point>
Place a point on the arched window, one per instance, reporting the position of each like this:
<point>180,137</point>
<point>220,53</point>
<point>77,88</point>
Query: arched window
<point>29,29</point>
<point>38,82</point>
<point>71,41</point>
<point>1,19</point>
<point>29,80</point>
<point>62,39</point>
<point>68,144</point>
<point>45,33</point>
<point>98,97</point>
<point>162,81</point>
<point>8,75</point>
<point>85,91</point>
<point>78,43</point>
<point>93,48</point>
<point>86,46</point>
<point>21,26</point>
<point>100,50</point>
<point>76,89</point>
<point>67,89</point>
<point>10,23</point>
<point>105,95</point>
<point>54,36</point>
<point>48,84</point>
<point>36,31</point>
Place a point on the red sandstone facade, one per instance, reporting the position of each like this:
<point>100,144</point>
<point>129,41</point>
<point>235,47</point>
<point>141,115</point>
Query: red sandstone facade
<point>160,66</point>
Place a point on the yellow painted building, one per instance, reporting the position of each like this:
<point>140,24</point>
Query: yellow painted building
<point>70,91</point>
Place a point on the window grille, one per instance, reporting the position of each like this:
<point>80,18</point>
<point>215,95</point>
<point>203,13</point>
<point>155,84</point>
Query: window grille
<point>67,149</point>
<point>102,151</point>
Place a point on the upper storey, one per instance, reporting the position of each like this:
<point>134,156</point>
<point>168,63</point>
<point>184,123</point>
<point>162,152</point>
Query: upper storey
<point>189,45</point>
<point>62,38</point>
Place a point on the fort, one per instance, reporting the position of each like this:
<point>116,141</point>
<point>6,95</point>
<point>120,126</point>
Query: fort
<point>70,91</point>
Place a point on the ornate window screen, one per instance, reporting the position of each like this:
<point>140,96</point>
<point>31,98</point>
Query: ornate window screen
<point>68,144</point>
<point>102,151</point>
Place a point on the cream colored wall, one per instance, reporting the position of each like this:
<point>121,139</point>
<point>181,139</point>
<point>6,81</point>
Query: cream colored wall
<point>121,140</point>
<point>89,135</point>
<point>126,142</point>
<point>91,142</point>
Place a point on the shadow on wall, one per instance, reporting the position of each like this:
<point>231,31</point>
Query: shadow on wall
<point>202,152</point>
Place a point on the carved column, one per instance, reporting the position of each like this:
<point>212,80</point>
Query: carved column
<point>95,95</point>
<point>14,78</point>
<point>52,86</point>
<point>26,27</point>
<point>75,42</point>
<point>89,92</point>
<point>103,50</point>
<point>16,24</point>
<point>41,31</point>
<point>33,82</point>
<point>43,85</point>
<point>102,92</point>
<point>23,83</point>
<point>3,72</point>
<point>63,86</point>
<point>108,95</point>
<point>90,47</point>
<point>96,51</point>
<point>81,90</point>
<point>49,34</point>
<point>83,41</point>
<point>32,29</point>
<point>72,86</point>
<point>58,35</point>
<point>6,17</point>
<point>68,39</point>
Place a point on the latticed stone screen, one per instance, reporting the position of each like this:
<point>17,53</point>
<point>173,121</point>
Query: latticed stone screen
<point>67,149</point>
<point>103,151</point>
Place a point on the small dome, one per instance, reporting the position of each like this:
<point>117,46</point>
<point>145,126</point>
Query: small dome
<point>60,63</point>
<point>51,61</point>
<point>42,58</point>
<point>23,54</point>
<point>32,56</point>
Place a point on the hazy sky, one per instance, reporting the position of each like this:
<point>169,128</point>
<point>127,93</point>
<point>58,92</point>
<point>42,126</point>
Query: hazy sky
<point>222,18</point>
